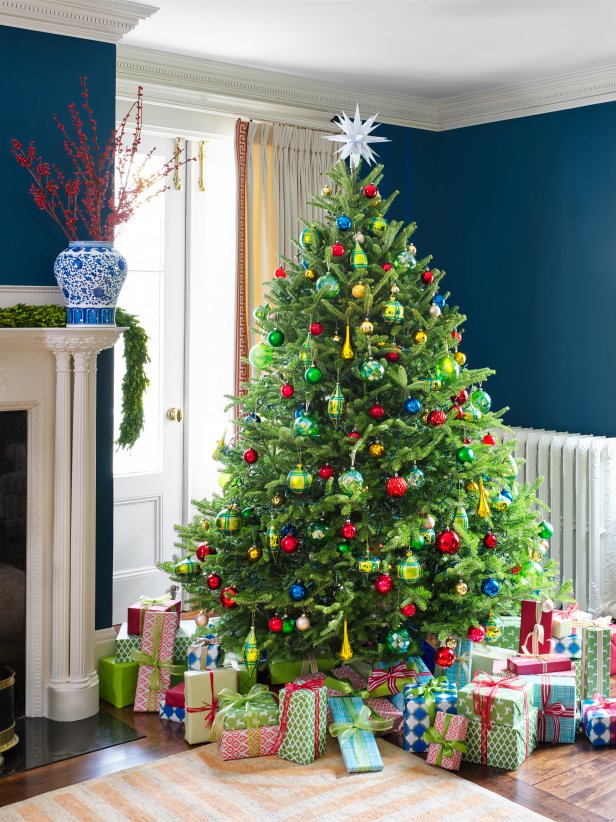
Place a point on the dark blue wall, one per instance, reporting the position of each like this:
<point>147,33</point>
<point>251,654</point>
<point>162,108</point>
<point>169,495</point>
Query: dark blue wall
<point>40,76</point>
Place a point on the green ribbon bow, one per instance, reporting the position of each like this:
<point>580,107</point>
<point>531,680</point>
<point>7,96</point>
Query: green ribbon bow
<point>163,599</point>
<point>448,746</point>
<point>440,685</point>
<point>144,658</point>
<point>259,696</point>
<point>345,687</point>
<point>351,732</point>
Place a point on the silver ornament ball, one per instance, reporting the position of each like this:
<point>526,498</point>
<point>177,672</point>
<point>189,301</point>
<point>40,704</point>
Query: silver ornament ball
<point>302,623</point>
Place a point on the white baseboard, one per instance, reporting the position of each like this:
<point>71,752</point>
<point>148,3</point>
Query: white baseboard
<point>104,643</point>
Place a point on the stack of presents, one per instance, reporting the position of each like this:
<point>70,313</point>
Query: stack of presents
<point>548,681</point>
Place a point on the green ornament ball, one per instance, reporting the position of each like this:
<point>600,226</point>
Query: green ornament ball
<point>261,312</point>
<point>344,547</point>
<point>260,355</point>
<point>288,625</point>
<point>417,542</point>
<point>481,400</point>
<point>350,482</point>
<point>447,369</point>
<point>368,564</point>
<point>531,571</point>
<point>409,569</point>
<point>275,338</point>
<point>546,530</point>
<point>398,641</point>
<point>494,629</point>
<point>378,224</point>
<point>319,532</point>
<point>393,311</point>
<point>311,238</point>
<point>465,454</point>
<point>187,567</point>
<point>229,520</point>
<point>306,426</point>
<point>299,480</point>
<point>329,285</point>
<point>313,375</point>
<point>372,371</point>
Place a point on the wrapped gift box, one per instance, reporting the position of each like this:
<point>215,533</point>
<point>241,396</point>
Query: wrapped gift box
<point>549,664</point>
<point>504,746</point>
<point>554,696</point>
<point>613,650</point>
<point>562,618</point>
<point>237,711</point>
<point>175,695</point>
<point>596,660</point>
<point>352,726</point>
<point>249,742</point>
<point>570,646</point>
<point>573,675</point>
<point>510,638</point>
<point>284,669</point>
<point>117,681</point>
<point>354,685</point>
<point>388,680</point>
<point>173,713</point>
<point>447,729</point>
<point>508,698</point>
<point>459,674</point>
<point>126,643</point>
<point>535,627</point>
<point>137,612</point>
<point>201,689</point>
<point>303,721</point>
<point>204,652</point>
<point>421,702</point>
<point>599,720</point>
<point>155,660</point>
<point>485,657</point>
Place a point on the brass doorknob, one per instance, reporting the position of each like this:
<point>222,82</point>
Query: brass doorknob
<point>174,414</point>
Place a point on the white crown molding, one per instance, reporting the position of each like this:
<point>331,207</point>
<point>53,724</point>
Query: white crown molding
<point>195,84</point>
<point>104,20</point>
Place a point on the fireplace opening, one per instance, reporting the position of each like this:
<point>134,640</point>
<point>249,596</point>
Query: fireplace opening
<point>13,511</point>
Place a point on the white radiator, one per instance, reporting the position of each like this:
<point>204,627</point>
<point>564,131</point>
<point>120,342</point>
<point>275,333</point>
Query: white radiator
<point>579,486</point>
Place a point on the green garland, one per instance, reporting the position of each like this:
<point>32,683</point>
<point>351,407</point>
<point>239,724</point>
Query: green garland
<point>136,357</point>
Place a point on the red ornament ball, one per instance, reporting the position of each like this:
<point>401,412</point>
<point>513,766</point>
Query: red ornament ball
<point>370,191</point>
<point>377,412</point>
<point>392,356</point>
<point>427,277</point>
<point>386,266</point>
<point>227,597</point>
<point>383,584</point>
<point>459,412</point>
<point>448,542</point>
<point>444,657</point>
<point>213,582</point>
<point>251,456</point>
<point>476,633</point>
<point>316,329</point>
<point>396,486</point>
<point>437,417</point>
<point>489,440</point>
<point>515,570</point>
<point>467,441</point>
<point>280,272</point>
<point>348,530</point>
<point>289,544</point>
<point>461,398</point>
<point>326,471</point>
<point>409,610</point>
<point>275,624</point>
<point>337,249</point>
<point>354,434</point>
<point>204,550</point>
<point>490,540</point>
<point>456,336</point>
<point>287,390</point>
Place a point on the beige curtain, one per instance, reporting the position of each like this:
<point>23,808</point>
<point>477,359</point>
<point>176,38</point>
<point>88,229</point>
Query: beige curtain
<point>284,168</point>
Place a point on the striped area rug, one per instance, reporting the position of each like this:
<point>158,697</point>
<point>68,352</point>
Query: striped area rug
<point>197,786</point>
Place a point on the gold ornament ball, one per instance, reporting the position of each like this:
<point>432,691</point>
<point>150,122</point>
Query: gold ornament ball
<point>254,553</point>
<point>424,416</point>
<point>309,274</point>
<point>375,200</point>
<point>411,249</point>
<point>326,191</point>
<point>451,642</point>
<point>277,500</point>
<point>205,525</point>
<point>471,486</point>
<point>460,358</point>
<point>377,449</point>
<point>336,337</point>
<point>395,289</point>
<point>358,290</point>
<point>461,588</point>
<point>359,237</point>
<point>366,327</point>
<point>420,337</point>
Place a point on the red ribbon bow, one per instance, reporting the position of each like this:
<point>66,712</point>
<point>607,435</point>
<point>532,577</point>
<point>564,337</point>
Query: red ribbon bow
<point>601,702</point>
<point>555,711</point>
<point>390,677</point>
<point>482,705</point>
<point>312,685</point>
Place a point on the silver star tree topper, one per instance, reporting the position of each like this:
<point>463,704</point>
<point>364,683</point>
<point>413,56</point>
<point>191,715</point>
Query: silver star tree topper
<point>356,138</point>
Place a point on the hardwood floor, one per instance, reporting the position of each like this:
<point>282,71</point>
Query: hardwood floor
<point>563,782</point>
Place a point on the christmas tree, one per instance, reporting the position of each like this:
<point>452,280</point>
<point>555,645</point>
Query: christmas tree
<point>369,499</point>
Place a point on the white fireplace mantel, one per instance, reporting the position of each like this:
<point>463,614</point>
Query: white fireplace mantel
<point>51,373</point>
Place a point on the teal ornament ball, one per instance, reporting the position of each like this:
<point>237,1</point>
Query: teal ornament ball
<point>415,477</point>
<point>275,338</point>
<point>447,369</point>
<point>470,413</point>
<point>260,355</point>
<point>329,285</point>
<point>428,535</point>
<point>378,224</point>
<point>350,482</point>
<point>229,520</point>
<point>494,627</point>
<point>313,375</point>
<point>393,311</point>
<point>481,400</point>
<point>406,260</point>
<point>306,426</point>
<point>311,238</point>
<point>368,564</point>
<point>261,312</point>
<point>187,567</point>
<point>319,532</point>
<point>398,641</point>
<point>372,371</point>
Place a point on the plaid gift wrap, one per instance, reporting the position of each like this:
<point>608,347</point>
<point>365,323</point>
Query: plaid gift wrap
<point>485,657</point>
<point>201,689</point>
<point>459,674</point>
<point>510,638</point>
<point>573,676</point>
<point>596,659</point>
<point>249,742</point>
<point>303,721</point>
<point>283,669</point>
<point>502,746</point>
<point>349,683</point>
<point>137,612</point>
<point>204,653</point>
<point>155,659</point>
<point>599,720</point>
<point>117,681</point>
<point>421,702</point>
<point>127,643</point>
<point>570,646</point>
<point>535,627</point>
<point>554,696</point>
<point>171,712</point>
<point>355,728</point>
<point>548,664</point>
<point>503,700</point>
<point>446,741</point>
<point>237,711</point>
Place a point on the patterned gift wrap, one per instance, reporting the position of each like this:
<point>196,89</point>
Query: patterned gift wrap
<point>554,696</point>
<point>126,643</point>
<point>117,681</point>
<point>355,731</point>
<point>249,742</point>
<point>548,664</point>
<point>562,618</point>
<point>599,720</point>
<point>503,746</point>
<point>506,698</point>
<point>573,676</point>
<point>237,711</point>
<point>459,674</point>
<point>352,684</point>
<point>510,638</point>
<point>303,721</point>
<point>570,646</point>
<point>421,702</point>
<point>535,628</point>
<point>596,658</point>
<point>155,659</point>
<point>204,653</point>
<point>171,712</point>
<point>485,657</point>
<point>388,680</point>
<point>137,612</point>
<point>201,689</point>
<point>446,740</point>
<point>283,670</point>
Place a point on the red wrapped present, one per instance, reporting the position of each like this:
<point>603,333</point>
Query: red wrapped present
<point>446,740</point>
<point>155,659</point>
<point>137,612</point>
<point>542,664</point>
<point>174,698</point>
<point>248,742</point>
<point>535,627</point>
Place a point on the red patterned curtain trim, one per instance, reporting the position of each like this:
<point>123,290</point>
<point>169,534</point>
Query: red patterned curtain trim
<point>242,369</point>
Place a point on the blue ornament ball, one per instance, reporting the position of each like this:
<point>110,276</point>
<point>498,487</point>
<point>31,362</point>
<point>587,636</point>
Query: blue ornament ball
<point>298,591</point>
<point>439,300</point>
<point>300,410</point>
<point>252,417</point>
<point>305,264</point>
<point>490,587</point>
<point>412,406</point>
<point>344,223</point>
<point>289,530</point>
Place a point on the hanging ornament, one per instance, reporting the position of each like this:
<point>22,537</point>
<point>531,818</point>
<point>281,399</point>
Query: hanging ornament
<point>427,277</point>
<point>412,405</point>
<point>336,336</point>
<point>368,564</point>
<point>409,569</point>
<point>336,405</point>
<point>429,521</point>
<point>289,544</point>
<point>420,337</point>
<point>481,400</point>
<point>326,191</point>
<point>316,329</point>
<point>546,530</point>
<point>329,285</point>
<point>448,542</point>
<point>347,352</point>
<point>359,258</point>
<point>305,354</point>
<point>396,486</point>
<point>288,625</point>
<point>393,356</point>
<point>387,267</point>
<point>502,502</point>
<point>251,653</point>
<point>535,552</point>
<point>530,572</point>
<point>372,371</point>
<point>409,610</point>
<point>348,530</point>
<point>213,581</point>
<point>383,584</point>
<point>494,628</point>
<point>287,390</point>
<point>398,641</point>
<point>204,525</point>
<point>488,440</point>
<point>311,238</point>
<point>358,237</point>
<point>289,529</point>
<point>418,541</point>
<point>460,519</point>
<point>437,417</point>
<point>280,273</point>
<point>378,224</point>
<point>490,540</point>
<point>299,480</point>
<point>273,537</point>
<point>447,369</point>
<point>465,454</point>
<point>275,624</point>
<point>370,191</point>
<point>376,450</point>
<point>461,588</point>
<point>326,471</point>
<point>460,358</point>
<point>305,426</point>
<point>483,506</point>
<point>319,532</point>
<point>252,418</point>
<point>275,338</point>
<point>393,311</point>
<point>277,500</point>
<point>313,375</point>
<point>201,620</point>
<point>476,633</point>
<point>337,250</point>
<point>229,520</point>
<point>260,355</point>
<point>366,327</point>
<point>471,414</point>
<point>490,587</point>
<point>415,477</point>
<point>344,547</point>
<point>204,550</point>
<point>187,567</point>
<point>260,312</point>
<point>434,311</point>
<point>346,652</point>
<point>298,591</point>
<point>302,623</point>
<point>358,290</point>
<point>351,482</point>
<point>254,553</point>
<point>344,223</point>
<point>305,264</point>
<point>309,274</point>
<point>377,412</point>
<point>444,657</point>
<point>250,456</point>
<point>354,434</point>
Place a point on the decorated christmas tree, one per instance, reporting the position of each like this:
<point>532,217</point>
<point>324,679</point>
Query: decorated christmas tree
<point>369,499</point>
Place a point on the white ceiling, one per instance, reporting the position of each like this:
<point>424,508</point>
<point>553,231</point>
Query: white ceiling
<point>426,48</point>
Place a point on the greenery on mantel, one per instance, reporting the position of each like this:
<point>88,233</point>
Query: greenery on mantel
<point>136,357</point>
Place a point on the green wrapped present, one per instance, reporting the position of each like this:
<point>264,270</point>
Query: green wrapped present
<point>484,657</point>
<point>127,643</point>
<point>510,637</point>
<point>503,700</point>
<point>503,746</point>
<point>236,711</point>
<point>303,721</point>
<point>284,669</point>
<point>117,681</point>
<point>595,663</point>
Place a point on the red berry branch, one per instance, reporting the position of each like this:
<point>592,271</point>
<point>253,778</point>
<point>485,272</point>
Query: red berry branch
<point>91,199</point>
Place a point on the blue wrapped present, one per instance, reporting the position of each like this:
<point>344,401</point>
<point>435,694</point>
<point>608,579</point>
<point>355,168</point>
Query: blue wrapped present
<point>570,646</point>
<point>171,712</point>
<point>554,696</point>
<point>355,729</point>
<point>421,702</point>
<point>599,720</point>
<point>459,674</point>
<point>204,653</point>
